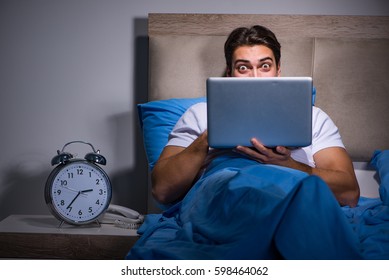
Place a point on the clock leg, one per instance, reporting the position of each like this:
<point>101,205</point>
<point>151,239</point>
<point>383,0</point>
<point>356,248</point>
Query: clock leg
<point>60,225</point>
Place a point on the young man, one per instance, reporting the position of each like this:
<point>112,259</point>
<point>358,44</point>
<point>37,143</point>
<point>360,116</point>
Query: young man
<point>252,52</point>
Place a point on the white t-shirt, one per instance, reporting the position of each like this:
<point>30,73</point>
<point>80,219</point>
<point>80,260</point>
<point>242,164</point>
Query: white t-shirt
<point>194,122</point>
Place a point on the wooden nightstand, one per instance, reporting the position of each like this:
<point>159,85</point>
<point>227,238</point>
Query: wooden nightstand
<point>39,237</point>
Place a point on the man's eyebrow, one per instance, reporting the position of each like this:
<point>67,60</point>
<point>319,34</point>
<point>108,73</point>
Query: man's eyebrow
<point>241,60</point>
<point>266,58</point>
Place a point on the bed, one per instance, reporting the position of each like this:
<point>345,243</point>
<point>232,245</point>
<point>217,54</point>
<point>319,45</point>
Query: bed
<point>288,215</point>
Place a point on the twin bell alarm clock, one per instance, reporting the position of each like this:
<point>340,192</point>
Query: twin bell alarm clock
<point>78,191</point>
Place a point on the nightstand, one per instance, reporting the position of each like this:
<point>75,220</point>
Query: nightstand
<point>39,237</point>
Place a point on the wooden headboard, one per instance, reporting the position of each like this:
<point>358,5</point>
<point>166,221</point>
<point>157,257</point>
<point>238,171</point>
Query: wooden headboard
<point>347,56</point>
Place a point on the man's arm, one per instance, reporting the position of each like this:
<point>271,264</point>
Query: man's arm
<point>333,165</point>
<point>177,168</point>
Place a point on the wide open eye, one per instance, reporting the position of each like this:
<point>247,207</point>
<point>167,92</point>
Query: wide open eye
<point>242,68</point>
<point>266,66</point>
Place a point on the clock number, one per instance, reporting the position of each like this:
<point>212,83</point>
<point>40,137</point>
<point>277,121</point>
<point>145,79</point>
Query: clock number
<point>90,174</point>
<point>97,182</point>
<point>62,202</point>
<point>70,209</point>
<point>64,183</point>
<point>58,192</point>
<point>98,201</point>
<point>80,171</point>
<point>90,209</point>
<point>70,175</point>
<point>80,212</point>
<point>101,192</point>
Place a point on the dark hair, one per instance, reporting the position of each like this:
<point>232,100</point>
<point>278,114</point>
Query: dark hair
<point>255,35</point>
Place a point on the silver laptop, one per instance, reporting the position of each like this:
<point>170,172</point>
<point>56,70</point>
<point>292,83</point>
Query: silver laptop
<point>277,111</point>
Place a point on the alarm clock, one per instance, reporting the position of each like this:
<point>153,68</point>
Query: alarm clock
<point>78,191</point>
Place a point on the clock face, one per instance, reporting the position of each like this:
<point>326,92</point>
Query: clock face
<point>78,192</point>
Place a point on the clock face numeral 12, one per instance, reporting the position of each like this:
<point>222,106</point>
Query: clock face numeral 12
<point>79,192</point>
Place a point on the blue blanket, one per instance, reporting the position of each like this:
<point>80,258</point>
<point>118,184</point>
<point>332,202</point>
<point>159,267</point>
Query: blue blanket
<point>244,210</point>
<point>370,220</point>
<point>240,209</point>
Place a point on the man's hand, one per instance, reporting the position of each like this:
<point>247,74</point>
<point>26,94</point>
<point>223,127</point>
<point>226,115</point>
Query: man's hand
<point>279,155</point>
<point>333,165</point>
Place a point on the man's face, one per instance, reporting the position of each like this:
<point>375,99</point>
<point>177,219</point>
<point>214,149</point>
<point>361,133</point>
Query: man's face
<point>254,61</point>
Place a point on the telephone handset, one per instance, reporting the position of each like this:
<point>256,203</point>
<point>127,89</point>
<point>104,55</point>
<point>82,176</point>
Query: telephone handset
<point>122,217</point>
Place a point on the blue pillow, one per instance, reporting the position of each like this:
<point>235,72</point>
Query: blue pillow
<point>157,119</point>
<point>380,161</point>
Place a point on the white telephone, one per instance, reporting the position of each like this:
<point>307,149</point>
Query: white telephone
<point>123,217</point>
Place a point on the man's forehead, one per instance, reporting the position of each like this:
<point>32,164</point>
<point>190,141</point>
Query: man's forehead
<point>259,52</point>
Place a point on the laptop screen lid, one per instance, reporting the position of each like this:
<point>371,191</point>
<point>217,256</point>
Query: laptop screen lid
<point>277,111</point>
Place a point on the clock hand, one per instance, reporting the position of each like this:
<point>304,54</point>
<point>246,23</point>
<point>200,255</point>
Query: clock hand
<point>74,190</point>
<point>78,194</point>
<point>73,200</point>
<point>84,191</point>
<point>70,189</point>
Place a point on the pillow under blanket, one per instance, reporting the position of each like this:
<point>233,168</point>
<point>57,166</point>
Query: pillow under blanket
<point>380,161</point>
